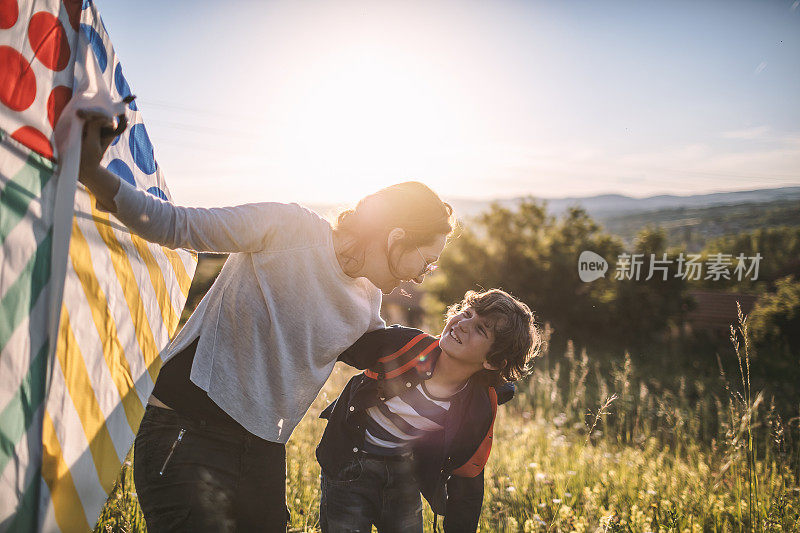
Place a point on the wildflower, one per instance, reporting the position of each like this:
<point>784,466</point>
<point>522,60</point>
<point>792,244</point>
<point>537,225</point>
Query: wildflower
<point>542,505</point>
<point>568,495</point>
<point>560,419</point>
<point>541,476</point>
<point>571,472</point>
<point>511,489</point>
<point>533,465</point>
<point>651,492</point>
<point>556,501</point>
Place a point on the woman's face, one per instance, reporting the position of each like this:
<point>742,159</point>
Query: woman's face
<point>406,264</point>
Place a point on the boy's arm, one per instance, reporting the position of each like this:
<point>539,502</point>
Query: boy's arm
<point>365,352</point>
<point>464,502</point>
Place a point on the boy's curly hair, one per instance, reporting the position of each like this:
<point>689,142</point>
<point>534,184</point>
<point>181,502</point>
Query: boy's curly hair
<point>517,339</point>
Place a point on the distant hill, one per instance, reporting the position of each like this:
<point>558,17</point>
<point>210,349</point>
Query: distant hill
<point>690,228</point>
<point>605,205</point>
<point>601,206</point>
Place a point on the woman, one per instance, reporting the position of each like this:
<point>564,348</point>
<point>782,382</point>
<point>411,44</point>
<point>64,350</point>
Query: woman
<point>294,293</point>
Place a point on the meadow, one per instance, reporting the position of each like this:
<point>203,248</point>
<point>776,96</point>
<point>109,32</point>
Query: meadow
<point>583,449</point>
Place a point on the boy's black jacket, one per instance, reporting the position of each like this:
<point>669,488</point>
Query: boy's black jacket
<point>449,462</point>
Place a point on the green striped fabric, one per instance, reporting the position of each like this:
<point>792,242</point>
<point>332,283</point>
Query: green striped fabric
<point>26,197</point>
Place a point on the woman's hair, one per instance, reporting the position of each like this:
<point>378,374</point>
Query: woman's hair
<point>411,206</point>
<point>517,339</point>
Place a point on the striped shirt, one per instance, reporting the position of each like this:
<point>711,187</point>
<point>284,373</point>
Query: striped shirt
<point>394,423</point>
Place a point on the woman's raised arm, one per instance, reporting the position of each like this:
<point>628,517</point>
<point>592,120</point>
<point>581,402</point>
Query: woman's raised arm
<point>244,228</point>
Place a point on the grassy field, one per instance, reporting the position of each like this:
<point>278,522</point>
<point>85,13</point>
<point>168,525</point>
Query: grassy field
<point>583,450</point>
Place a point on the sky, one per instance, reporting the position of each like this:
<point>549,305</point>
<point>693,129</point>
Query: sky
<point>326,101</point>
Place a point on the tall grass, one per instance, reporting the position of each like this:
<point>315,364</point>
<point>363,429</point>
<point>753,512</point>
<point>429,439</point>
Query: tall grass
<point>585,449</point>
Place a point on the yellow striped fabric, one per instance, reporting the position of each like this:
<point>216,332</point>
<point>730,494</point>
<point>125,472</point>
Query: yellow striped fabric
<point>120,290</point>
<point>122,302</point>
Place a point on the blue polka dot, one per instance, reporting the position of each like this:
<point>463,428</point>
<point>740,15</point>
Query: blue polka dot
<point>142,149</point>
<point>121,169</point>
<point>122,85</point>
<point>97,46</point>
<point>116,140</point>
<point>158,193</point>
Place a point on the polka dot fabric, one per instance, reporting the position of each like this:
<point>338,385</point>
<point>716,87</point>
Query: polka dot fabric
<point>38,44</point>
<point>36,75</point>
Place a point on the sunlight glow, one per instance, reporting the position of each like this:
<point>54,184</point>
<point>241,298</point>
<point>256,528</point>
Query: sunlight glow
<point>358,119</point>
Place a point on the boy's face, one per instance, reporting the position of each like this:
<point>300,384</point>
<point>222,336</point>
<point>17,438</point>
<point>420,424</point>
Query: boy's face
<point>468,337</point>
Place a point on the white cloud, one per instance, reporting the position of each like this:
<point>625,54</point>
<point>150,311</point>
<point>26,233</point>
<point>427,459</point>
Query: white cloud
<point>756,132</point>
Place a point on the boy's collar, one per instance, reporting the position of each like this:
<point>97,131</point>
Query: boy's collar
<point>428,362</point>
<point>426,369</point>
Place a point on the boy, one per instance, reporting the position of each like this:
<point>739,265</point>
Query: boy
<point>420,418</point>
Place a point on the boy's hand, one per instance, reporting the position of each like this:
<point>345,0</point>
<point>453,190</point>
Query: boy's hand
<point>99,130</point>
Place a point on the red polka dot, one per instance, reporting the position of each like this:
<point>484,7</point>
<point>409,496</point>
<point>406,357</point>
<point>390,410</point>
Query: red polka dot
<point>58,98</point>
<point>35,140</point>
<point>9,12</point>
<point>73,8</point>
<point>49,40</point>
<point>17,80</point>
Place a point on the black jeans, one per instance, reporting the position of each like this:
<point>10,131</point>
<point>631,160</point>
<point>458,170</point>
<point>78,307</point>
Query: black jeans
<point>193,476</point>
<point>371,490</point>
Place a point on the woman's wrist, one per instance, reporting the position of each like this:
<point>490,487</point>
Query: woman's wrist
<point>87,174</point>
<point>103,185</point>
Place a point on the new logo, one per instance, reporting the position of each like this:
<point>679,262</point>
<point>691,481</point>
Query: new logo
<point>591,266</point>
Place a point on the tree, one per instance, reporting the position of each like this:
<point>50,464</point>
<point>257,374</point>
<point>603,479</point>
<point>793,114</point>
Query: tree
<point>647,307</point>
<point>775,320</point>
<point>534,256</point>
<point>779,248</point>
